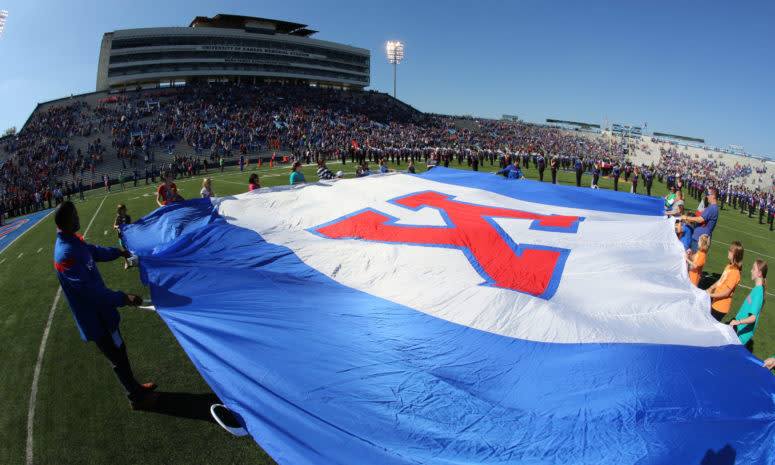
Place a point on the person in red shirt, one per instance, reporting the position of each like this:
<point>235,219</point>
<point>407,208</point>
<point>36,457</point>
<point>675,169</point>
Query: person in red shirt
<point>168,191</point>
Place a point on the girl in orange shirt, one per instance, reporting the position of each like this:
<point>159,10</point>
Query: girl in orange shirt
<point>697,261</point>
<point>721,291</point>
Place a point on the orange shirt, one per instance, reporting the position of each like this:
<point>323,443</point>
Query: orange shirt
<point>699,262</point>
<point>729,279</point>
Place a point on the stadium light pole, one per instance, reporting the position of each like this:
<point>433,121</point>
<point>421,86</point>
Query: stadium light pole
<point>395,53</point>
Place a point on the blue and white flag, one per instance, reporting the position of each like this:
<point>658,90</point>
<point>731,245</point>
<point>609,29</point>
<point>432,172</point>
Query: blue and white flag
<point>454,317</point>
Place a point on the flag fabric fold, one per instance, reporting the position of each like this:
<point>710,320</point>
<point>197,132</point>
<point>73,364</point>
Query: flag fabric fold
<point>453,317</point>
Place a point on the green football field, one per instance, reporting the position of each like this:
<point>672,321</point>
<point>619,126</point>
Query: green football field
<point>80,414</point>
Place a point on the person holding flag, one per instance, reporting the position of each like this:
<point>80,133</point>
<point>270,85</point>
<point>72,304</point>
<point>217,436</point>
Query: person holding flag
<point>93,304</point>
<point>511,171</point>
<point>747,318</point>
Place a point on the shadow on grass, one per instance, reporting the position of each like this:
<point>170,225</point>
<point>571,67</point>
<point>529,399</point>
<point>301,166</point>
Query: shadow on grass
<point>708,279</point>
<point>186,405</point>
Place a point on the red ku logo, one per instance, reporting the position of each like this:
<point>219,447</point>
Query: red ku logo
<point>527,268</point>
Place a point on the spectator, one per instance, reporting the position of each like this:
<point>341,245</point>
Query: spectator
<point>724,288</point>
<point>410,167</point>
<point>207,188</point>
<point>93,305</point>
<point>297,176</point>
<point>747,318</point>
<point>697,261</point>
<point>253,182</point>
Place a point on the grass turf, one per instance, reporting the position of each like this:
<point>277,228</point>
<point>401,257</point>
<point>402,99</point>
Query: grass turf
<point>81,415</point>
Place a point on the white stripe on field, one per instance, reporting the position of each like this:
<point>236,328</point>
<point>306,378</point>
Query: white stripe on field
<point>41,351</point>
<point>743,232</point>
<point>747,287</point>
<point>748,250</point>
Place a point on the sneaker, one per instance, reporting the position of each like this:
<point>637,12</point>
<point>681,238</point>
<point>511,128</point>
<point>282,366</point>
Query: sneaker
<point>148,401</point>
<point>148,386</point>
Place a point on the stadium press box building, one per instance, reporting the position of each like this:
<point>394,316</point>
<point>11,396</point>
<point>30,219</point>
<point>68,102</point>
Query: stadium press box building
<point>228,48</point>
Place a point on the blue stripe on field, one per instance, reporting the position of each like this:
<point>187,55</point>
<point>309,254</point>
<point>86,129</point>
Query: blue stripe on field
<point>14,227</point>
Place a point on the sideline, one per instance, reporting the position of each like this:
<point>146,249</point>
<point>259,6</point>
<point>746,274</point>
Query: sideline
<point>42,350</point>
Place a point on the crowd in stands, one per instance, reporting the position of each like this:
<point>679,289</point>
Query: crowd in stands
<point>218,121</point>
<point>41,167</point>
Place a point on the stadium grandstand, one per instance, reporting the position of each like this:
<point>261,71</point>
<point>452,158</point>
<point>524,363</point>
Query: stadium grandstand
<point>81,142</point>
<point>228,48</point>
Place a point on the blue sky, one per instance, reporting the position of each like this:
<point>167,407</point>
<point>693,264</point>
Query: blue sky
<point>700,69</point>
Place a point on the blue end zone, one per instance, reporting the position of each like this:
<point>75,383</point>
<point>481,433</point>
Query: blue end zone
<point>15,227</point>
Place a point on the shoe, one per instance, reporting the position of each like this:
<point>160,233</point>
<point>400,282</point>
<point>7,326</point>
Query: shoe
<point>148,386</point>
<point>147,402</point>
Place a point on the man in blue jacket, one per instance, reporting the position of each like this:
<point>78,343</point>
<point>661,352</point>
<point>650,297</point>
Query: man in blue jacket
<point>94,305</point>
<point>511,171</point>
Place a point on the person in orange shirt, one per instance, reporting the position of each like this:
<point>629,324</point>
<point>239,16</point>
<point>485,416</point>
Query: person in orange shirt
<point>697,261</point>
<point>721,291</point>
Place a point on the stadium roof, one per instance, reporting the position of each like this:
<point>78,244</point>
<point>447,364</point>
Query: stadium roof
<point>252,23</point>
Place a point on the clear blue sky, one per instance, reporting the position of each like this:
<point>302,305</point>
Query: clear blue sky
<point>700,69</point>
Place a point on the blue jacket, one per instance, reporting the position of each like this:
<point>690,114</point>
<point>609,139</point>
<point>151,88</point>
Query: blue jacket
<point>512,171</point>
<point>90,301</point>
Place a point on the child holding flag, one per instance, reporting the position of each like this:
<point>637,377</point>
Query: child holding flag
<point>747,318</point>
<point>725,287</point>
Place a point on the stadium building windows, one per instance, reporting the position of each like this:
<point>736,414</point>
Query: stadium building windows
<point>228,48</point>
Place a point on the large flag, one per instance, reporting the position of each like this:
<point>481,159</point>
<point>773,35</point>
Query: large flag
<point>454,317</point>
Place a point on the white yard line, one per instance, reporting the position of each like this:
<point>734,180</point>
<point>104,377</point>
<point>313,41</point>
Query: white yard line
<point>743,285</point>
<point>748,250</point>
<point>41,351</point>
<point>743,232</point>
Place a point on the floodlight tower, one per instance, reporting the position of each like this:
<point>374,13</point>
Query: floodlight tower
<point>3,16</point>
<point>395,53</point>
